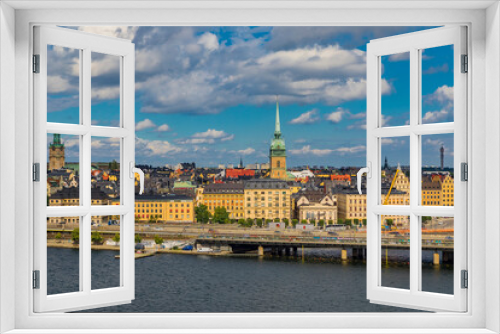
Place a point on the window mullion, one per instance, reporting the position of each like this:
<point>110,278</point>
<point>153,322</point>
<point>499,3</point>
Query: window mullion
<point>85,175</point>
<point>414,169</point>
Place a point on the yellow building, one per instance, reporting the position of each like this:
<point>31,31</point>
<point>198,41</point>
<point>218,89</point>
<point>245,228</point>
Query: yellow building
<point>168,208</point>
<point>431,192</point>
<point>227,195</point>
<point>71,197</point>
<point>267,199</point>
<point>447,191</point>
<point>352,205</point>
<point>277,151</point>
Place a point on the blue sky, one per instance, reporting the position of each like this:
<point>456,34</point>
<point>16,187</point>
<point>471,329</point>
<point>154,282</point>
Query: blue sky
<point>207,94</point>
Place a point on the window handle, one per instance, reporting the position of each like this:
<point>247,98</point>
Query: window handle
<point>134,170</point>
<point>363,170</point>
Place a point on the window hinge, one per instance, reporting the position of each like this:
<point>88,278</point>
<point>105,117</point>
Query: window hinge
<point>36,172</point>
<point>36,63</point>
<point>465,64</point>
<point>36,279</point>
<point>464,171</point>
<point>465,279</point>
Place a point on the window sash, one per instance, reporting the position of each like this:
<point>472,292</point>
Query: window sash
<point>412,43</point>
<point>86,297</point>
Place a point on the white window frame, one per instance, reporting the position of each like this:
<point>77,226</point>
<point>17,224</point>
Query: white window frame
<point>484,101</point>
<point>414,44</point>
<point>124,50</point>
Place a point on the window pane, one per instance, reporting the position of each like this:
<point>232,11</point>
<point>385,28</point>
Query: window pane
<point>105,260</point>
<point>437,170</point>
<point>395,89</point>
<point>437,254</point>
<point>395,187</point>
<point>105,170</point>
<point>63,170</point>
<point>63,85</point>
<point>63,254</point>
<point>395,251</point>
<point>105,89</point>
<point>437,84</point>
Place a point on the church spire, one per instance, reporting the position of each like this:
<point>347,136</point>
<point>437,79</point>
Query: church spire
<point>277,128</point>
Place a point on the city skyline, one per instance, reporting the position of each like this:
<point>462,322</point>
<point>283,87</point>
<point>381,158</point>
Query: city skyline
<point>211,98</point>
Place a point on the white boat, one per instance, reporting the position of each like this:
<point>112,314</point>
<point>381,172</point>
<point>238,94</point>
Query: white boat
<point>205,250</point>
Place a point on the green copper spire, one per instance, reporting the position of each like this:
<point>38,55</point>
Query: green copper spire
<point>56,140</point>
<point>277,148</point>
<point>277,129</point>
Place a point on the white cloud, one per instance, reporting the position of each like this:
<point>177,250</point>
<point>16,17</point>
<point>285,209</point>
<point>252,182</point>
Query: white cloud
<point>228,138</point>
<point>336,116</point>
<point>58,84</point>
<point>443,95</point>
<point>163,128</point>
<point>399,56</point>
<point>353,149</point>
<point>105,93</point>
<point>393,141</point>
<point>308,117</point>
<point>160,148</point>
<point>436,116</point>
<point>307,150</point>
<point>210,133</point>
<point>145,124</point>
<point>246,151</point>
<point>300,141</point>
<point>211,136</point>
<point>209,41</point>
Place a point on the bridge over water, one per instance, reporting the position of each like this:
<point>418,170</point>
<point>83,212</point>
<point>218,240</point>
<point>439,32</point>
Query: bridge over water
<point>290,244</point>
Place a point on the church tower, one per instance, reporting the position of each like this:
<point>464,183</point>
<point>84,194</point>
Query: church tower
<point>277,151</point>
<point>56,153</point>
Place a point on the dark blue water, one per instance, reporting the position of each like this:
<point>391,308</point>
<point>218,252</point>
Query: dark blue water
<point>187,283</point>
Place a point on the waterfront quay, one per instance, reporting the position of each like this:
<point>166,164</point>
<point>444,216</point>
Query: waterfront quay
<point>234,239</point>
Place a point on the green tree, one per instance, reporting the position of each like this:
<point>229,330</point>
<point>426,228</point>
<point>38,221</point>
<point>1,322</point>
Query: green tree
<point>321,222</point>
<point>58,236</point>
<point>249,222</point>
<point>137,238</point>
<point>276,220</point>
<point>158,239</point>
<point>116,238</point>
<point>313,221</point>
<point>75,235</point>
<point>340,221</point>
<point>348,222</point>
<point>113,165</point>
<point>364,222</point>
<point>137,220</point>
<point>259,222</point>
<point>389,222</point>
<point>96,237</point>
<point>356,222</point>
<point>221,216</point>
<point>294,222</point>
<point>330,222</point>
<point>202,214</point>
<point>303,221</point>
<point>227,221</point>
<point>426,218</point>
<point>286,221</point>
<point>241,222</point>
<point>269,221</point>
<point>153,219</point>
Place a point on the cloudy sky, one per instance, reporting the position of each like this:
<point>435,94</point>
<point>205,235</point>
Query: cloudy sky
<point>207,94</point>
